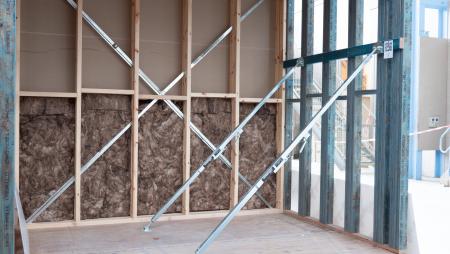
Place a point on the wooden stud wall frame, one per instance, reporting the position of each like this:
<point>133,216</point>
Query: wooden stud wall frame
<point>177,48</point>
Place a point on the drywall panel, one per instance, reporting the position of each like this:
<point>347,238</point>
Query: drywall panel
<point>160,158</point>
<point>210,19</point>
<point>102,68</point>
<point>47,54</point>
<point>432,89</point>
<point>160,48</point>
<point>211,190</point>
<point>105,187</point>
<point>257,147</point>
<point>257,50</point>
<point>47,137</point>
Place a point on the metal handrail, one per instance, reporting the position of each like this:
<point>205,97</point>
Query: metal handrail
<point>442,141</point>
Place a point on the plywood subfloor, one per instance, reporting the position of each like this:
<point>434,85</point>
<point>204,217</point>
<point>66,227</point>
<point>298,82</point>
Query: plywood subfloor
<point>274,233</point>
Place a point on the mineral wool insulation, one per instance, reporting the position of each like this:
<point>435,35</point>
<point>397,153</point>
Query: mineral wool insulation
<point>47,142</point>
<point>47,155</point>
<point>105,187</point>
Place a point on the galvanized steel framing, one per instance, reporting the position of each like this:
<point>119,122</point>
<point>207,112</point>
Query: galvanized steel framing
<point>394,79</point>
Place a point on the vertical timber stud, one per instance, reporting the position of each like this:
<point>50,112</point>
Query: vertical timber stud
<point>135,50</point>
<point>7,118</point>
<point>393,105</point>
<point>280,31</point>
<point>354,121</point>
<point>289,93</point>
<point>234,87</point>
<point>78,78</point>
<point>328,119</point>
<point>186,59</point>
<point>306,81</point>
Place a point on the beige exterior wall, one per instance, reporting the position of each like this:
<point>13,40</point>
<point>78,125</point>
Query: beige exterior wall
<point>433,83</point>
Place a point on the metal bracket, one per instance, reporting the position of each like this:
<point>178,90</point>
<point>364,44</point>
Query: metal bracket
<point>305,141</point>
<point>217,153</point>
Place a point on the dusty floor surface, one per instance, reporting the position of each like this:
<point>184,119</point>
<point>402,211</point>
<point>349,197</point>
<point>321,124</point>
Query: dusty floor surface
<point>274,233</point>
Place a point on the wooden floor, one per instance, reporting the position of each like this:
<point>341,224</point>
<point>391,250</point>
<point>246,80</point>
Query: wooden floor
<point>274,233</point>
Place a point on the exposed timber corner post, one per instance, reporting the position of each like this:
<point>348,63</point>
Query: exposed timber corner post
<point>7,119</point>
<point>280,42</point>
<point>392,126</point>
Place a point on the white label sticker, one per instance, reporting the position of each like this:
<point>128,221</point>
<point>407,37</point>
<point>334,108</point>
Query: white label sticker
<point>388,49</point>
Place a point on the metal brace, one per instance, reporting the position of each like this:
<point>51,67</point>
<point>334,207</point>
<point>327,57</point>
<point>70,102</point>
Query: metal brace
<point>217,153</point>
<point>238,135</point>
<point>305,141</point>
<point>379,49</point>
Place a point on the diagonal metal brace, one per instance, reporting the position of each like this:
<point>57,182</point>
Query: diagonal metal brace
<point>235,133</point>
<point>276,165</point>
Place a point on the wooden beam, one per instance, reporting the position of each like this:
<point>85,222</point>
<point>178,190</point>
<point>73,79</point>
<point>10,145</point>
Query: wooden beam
<point>135,51</point>
<point>186,60</point>
<point>354,121</point>
<point>107,91</point>
<point>328,119</point>
<point>306,82</point>
<point>288,107</point>
<point>7,119</point>
<point>78,81</point>
<point>144,218</point>
<point>280,42</point>
<point>392,126</point>
<point>213,95</point>
<point>47,94</point>
<point>234,87</point>
<point>162,97</point>
<point>256,100</point>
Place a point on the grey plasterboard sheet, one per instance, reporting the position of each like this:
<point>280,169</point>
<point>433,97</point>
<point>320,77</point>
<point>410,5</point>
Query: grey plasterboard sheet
<point>160,46</point>
<point>257,50</point>
<point>160,43</point>
<point>47,57</point>
<point>102,68</point>
<point>210,18</point>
